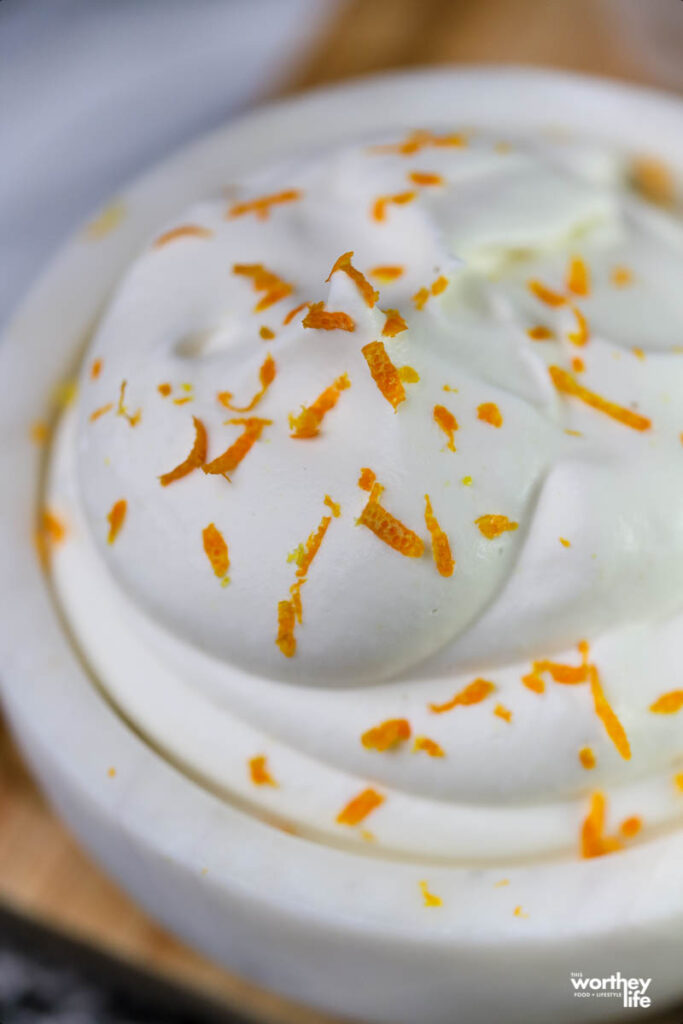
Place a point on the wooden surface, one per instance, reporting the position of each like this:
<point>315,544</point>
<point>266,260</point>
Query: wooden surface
<point>42,871</point>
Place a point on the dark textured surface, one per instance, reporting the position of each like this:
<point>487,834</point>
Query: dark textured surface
<point>48,979</point>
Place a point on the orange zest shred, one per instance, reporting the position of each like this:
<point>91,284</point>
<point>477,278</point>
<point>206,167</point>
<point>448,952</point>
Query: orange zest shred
<point>489,412</point>
<point>445,419</point>
<point>493,525</point>
<point>49,532</point>
<point>370,296</point>
<point>183,231</point>
<point>565,543</point>
<point>366,479</point>
<point>121,410</point>
<point>534,682</point>
<point>216,550</point>
<point>428,746</point>
<point>540,333</point>
<point>587,758</point>
<point>578,277</point>
<point>502,712</point>
<point>630,827</point>
<point>164,390</point>
<point>266,333</point>
<point>441,548</point>
<point>334,506</point>
<point>293,312</point>
<point>327,320</point>
<point>653,180</point>
<point>258,771</point>
<point>312,546</point>
<point>116,518</point>
<point>360,807</point>
<point>581,335</point>
<point>425,178</point>
<point>603,709</point>
<point>274,288</point>
<point>394,323</point>
<point>474,693</point>
<point>96,369</point>
<point>194,460</point>
<point>594,842</point>
<point>306,424</point>
<point>388,735</point>
<point>389,529</point>
<point>621,276</point>
<point>568,385</point>
<point>266,378</point>
<point>545,294</point>
<point>668,703</point>
<point>519,912</point>
<point>379,207</point>
<point>408,374</point>
<point>678,781</point>
<point>421,139</point>
<point>429,899</point>
<point>436,288</point>
<point>578,365</point>
<point>420,298</point>
<point>286,623</point>
<point>103,409</point>
<point>439,286</point>
<point>232,456</point>
<point>261,207</point>
<point>387,272</point>
<point>384,373</point>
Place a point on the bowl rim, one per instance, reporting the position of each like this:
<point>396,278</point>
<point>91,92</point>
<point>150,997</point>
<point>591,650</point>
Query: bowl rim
<point>68,731</point>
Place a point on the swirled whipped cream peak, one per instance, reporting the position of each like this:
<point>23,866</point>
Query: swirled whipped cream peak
<point>392,436</point>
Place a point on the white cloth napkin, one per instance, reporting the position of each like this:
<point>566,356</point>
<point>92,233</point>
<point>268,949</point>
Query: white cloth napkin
<point>93,91</point>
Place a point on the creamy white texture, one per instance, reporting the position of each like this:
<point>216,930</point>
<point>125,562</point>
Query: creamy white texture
<point>383,635</point>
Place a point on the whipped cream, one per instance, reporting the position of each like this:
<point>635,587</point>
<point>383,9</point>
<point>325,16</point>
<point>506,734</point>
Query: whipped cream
<point>520,366</point>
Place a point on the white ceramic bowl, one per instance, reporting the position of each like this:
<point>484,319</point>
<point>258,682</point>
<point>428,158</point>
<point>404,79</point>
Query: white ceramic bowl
<point>291,914</point>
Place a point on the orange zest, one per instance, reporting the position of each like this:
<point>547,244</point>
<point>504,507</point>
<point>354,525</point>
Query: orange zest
<point>630,827</point>
<point>306,423</point>
<point>422,139</point>
<point>587,758</point>
<point>594,842</point>
<point>360,807</point>
<point>621,277</point>
<point>261,207</point>
<point>386,736</point>
<point>216,550</point>
<point>436,288</point>
<point>50,532</point>
<point>96,369</point>
<point>474,693</point>
<point>366,479</point>
<point>394,323</point>
<point>578,277</point>
<point>425,179</point>
<point>387,272</point>
<point>258,771</point>
<point>286,624</point>
<point>121,410</point>
<point>370,296</point>
<point>231,458</point>
<point>273,287</point>
<point>384,373</point>
<point>428,746</point>
<point>116,518</point>
<point>540,333</point>
<point>293,312</point>
<point>489,412</point>
<point>183,231</point>
<point>603,709</point>
<point>95,415</point>
<point>500,711</point>
<point>441,548</point>
<point>194,460</point>
<point>327,320</point>
<point>334,506</point>
<point>389,529</point>
<point>266,333</point>
<point>668,703</point>
<point>379,207</point>
<point>545,294</point>
<point>581,335</point>
<point>568,385</point>
<point>429,899</point>
<point>445,419</point>
<point>266,378</point>
<point>493,525</point>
